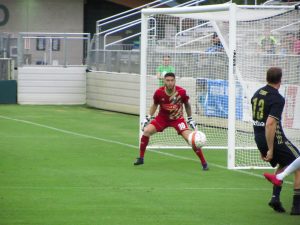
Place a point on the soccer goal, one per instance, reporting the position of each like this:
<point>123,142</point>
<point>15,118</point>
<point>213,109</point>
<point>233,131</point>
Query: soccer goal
<point>220,54</point>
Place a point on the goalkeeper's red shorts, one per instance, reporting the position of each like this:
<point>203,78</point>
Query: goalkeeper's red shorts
<point>161,123</point>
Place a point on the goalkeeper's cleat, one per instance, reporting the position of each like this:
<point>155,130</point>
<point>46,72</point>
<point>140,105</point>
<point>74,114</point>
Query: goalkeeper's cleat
<point>139,161</point>
<point>295,210</point>
<point>276,205</point>
<point>205,167</point>
<point>272,178</point>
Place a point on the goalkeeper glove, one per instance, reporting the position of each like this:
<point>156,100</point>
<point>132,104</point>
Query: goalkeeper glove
<point>145,122</point>
<point>191,123</point>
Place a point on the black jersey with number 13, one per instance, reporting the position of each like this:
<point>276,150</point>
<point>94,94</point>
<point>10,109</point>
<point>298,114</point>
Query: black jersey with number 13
<point>266,102</point>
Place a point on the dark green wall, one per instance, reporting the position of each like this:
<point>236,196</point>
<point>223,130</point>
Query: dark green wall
<point>8,92</point>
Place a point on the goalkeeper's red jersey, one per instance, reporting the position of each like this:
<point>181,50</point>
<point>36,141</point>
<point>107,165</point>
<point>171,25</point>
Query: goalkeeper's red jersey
<point>171,106</point>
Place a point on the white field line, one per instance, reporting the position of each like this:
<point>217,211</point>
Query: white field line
<point>69,132</point>
<point>135,188</point>
<point>127,145</point>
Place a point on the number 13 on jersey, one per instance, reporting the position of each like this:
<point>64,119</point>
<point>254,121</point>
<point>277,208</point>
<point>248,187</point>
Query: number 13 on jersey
<point>258,108</point>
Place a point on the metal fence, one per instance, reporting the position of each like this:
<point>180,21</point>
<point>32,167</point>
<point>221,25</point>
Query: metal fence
<point>121,61</point>
<point>110,27</point>
<point>5,45</point>
<point>6,69</point>
<point>53,49</point>
<point>7,57</point>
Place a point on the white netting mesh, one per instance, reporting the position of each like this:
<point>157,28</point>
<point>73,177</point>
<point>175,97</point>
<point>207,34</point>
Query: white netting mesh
<point>198,51</point>
<point>261,44</point>
<point>194,60</point>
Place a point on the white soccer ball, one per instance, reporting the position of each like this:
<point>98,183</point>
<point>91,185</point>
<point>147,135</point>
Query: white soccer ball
<point>197,139</point>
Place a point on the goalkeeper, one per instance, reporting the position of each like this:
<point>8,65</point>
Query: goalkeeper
<point>170,99</point>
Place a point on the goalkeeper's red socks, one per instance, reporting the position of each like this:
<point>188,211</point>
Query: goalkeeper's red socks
<point>200,155</point>
<point>143,145</point>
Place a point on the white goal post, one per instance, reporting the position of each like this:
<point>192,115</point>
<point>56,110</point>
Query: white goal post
<point>220,54</point>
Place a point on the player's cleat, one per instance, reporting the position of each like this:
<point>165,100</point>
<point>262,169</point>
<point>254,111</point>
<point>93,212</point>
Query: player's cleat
<point>276,205</point>
<point>139,161</point>
<point>295,210</point>
<point>205,167</point>
<point>272,178</point>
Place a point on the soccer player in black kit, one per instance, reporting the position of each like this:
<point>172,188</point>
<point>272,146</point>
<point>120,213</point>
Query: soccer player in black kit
<point>275,148</point>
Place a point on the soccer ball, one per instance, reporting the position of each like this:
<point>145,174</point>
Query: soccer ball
<point>197,139</point>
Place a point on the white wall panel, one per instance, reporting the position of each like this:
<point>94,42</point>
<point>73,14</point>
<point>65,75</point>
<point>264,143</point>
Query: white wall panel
<point>114,91</point>
<point>52,85</point>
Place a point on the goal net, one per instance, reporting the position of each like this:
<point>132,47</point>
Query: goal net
<point>220,55</point>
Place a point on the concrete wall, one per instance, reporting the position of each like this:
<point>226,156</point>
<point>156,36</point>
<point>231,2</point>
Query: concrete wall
<point>52,85</point>
<point>43,16</point>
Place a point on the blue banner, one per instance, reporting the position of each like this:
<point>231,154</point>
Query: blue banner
<point>216,102</point>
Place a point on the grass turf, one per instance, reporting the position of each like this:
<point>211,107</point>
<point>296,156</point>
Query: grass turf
<point>72,165</point>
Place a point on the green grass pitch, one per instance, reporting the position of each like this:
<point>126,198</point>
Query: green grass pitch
<point>73,165</point>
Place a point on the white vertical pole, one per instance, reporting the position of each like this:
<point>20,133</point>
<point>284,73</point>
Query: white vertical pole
<point>20,50</point>
<point>50,50</point>
<point>180,24</point>
<point>97,52</point>
<point>231,86</point>
<point>143,66</point>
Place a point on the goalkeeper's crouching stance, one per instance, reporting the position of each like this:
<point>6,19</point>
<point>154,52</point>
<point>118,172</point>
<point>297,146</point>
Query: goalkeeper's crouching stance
<point>170,99</point>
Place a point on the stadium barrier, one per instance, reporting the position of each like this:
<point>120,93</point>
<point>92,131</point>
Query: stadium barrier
<point>52,68</point>
<point>52,85</point>
<point>113,91</point>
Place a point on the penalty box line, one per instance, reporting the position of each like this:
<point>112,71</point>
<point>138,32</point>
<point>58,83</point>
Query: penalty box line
<point>124,144</point>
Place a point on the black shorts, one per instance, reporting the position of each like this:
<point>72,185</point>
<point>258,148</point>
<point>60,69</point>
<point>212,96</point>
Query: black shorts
<point>284,154</point>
